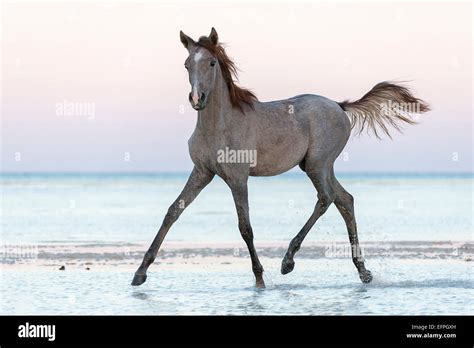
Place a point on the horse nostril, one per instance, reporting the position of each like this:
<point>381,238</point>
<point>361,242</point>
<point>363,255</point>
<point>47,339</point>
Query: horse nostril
<point>203,96</point>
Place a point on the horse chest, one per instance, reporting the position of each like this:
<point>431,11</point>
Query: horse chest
<point>203,150</point>
<point>220,153</point>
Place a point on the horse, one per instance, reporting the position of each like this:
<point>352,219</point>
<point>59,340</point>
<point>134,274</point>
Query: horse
<point>306,130</point>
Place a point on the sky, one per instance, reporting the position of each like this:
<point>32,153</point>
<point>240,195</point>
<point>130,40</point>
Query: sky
<point>101,86</point>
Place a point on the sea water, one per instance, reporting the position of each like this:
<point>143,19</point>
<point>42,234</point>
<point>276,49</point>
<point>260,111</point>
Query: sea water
<point>414,214</point>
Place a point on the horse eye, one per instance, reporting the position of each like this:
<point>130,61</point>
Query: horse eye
<point>213,62</point>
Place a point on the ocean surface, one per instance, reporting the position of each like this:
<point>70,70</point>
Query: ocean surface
<point>416,232</point>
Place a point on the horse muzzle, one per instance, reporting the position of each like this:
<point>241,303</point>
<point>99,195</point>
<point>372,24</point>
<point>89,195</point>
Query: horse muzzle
<point>198,102</point>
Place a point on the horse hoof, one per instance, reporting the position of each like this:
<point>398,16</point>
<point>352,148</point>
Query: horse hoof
<point>366,276</point>
<point>287,266</point>
<point>138,279</point>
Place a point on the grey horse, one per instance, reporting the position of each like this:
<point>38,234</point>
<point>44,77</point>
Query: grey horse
<point>306,130</point>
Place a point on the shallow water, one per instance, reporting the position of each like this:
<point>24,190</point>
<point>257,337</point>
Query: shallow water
<point>317,287</point>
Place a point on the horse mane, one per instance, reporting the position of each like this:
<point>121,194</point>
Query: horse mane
<point>238,96</point>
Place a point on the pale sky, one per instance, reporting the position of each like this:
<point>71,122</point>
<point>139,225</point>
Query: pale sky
<point>124,61</point>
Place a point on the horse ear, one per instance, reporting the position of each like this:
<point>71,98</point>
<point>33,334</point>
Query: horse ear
<point>214,37</point>
<point>186,40</point>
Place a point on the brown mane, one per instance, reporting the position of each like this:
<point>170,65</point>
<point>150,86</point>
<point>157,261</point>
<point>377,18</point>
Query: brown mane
<point>238,96</point>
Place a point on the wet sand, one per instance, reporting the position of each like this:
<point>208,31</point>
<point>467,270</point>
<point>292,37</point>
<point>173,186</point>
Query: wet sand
<point>95,255</point>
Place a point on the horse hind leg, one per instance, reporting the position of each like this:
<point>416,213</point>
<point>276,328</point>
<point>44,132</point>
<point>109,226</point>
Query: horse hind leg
<point>321,181</point>
<point>345,204</point>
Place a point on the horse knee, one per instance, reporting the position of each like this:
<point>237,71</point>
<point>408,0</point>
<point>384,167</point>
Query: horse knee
<point>174,211</point>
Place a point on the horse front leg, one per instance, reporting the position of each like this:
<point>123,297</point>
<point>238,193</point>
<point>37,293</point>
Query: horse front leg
<point>196,182</point>
<point>240,194</point>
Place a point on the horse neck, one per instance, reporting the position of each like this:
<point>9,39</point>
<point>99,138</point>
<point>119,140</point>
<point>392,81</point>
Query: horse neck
<point>216,114</point>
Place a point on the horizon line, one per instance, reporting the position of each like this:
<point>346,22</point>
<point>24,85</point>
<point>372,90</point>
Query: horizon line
<point>189,171</point>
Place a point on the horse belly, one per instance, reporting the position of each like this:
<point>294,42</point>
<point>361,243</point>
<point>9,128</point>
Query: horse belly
<point>279,155</point>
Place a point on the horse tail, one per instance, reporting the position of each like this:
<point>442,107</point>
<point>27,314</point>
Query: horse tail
<point>386,104</point>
